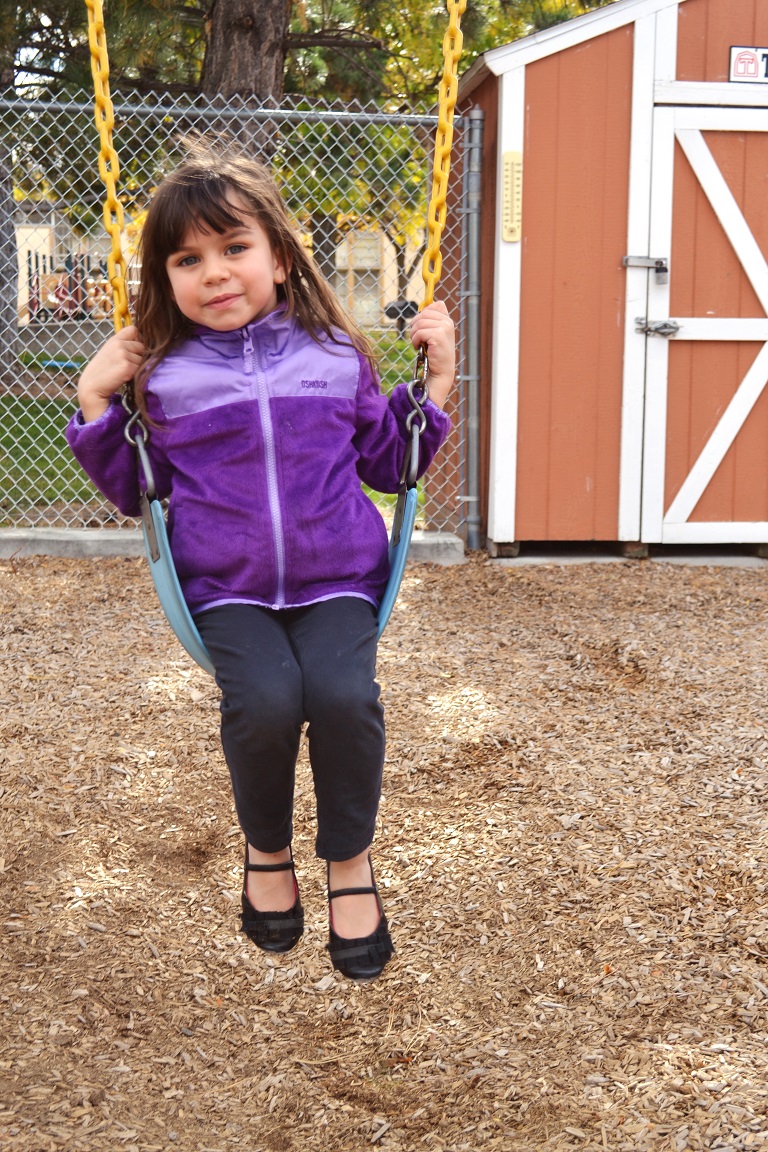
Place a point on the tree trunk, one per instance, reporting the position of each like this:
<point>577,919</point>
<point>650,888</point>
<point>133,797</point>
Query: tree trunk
<point>245,53</point>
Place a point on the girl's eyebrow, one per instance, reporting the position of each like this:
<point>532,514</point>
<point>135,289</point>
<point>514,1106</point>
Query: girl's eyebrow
<point>228,233</point>
<point>237,229</point>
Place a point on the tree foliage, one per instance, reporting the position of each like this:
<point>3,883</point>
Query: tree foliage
<point>335,49</point>
<point>339,51</point>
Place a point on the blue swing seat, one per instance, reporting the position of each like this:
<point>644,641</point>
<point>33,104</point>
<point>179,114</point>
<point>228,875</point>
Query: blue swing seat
<point>399,544</point>
<point>167,585</point>
<point>174,605</point>
<point>158,547</point>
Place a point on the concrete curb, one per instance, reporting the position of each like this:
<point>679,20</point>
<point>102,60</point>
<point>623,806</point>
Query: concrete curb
<point>436,548</point>
<point>88,543</point>
<point>69,542</point>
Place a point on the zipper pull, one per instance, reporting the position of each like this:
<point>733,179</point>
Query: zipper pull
<point>247,353</point>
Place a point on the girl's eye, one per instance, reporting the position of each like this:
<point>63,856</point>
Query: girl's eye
<point>235,249</point>
<point>187,261</point>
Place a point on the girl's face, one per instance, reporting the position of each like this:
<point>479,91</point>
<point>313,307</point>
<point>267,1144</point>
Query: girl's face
<point>225,280</point>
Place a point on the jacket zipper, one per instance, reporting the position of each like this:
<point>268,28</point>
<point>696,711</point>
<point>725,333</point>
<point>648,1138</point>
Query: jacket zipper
<point>270,458</point>
<point>247,353</point>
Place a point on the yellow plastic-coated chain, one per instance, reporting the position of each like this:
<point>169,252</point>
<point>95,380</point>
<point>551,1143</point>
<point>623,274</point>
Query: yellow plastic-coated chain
<point>448,91</point>
<point>109,167</point>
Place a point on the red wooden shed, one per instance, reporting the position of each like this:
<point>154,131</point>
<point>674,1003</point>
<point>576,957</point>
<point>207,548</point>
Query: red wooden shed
<point>624,338</point>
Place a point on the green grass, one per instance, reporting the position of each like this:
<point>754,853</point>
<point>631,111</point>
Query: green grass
<point>36,466</point>
<point>396,359</point>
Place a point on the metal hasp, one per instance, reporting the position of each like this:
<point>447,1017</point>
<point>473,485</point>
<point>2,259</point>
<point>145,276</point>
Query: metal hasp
<point>656,327</point>
<point>659,264</point>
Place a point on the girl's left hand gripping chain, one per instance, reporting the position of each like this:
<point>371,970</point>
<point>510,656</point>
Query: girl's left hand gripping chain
<point>434,329</point>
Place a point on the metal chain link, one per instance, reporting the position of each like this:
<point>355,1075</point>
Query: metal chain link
<point>109,166</point>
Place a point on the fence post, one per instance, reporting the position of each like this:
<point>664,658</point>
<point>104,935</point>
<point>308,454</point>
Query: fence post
<point>473,201</point>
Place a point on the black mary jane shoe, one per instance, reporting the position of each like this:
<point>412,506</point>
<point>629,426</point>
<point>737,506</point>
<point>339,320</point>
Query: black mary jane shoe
<point>272,931</point>
<point>363,958</point>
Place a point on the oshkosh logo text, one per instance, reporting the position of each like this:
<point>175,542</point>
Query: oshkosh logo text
<point>314,384</point>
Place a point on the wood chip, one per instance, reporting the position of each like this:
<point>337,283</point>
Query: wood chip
<point>572,851</point>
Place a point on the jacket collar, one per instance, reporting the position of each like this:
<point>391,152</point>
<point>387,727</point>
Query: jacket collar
<point>271,331</point>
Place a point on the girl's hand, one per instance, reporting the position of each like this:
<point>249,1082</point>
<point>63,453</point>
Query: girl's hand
<point>434,328</point>
<point>114,364</point>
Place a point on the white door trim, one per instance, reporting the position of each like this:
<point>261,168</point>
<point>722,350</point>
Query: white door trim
<point>636,288</point>
<point>656,349</point>
<point>686,125</point>
<point>655,61</point>
<point>723,436</point>
<point>507,295</point>
<point>728,95</point>
<point>726,209</point>
<point>719,328</point>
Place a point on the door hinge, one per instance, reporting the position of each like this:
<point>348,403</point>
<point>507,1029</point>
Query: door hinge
<point>659,264</point>
<point>656,327</point>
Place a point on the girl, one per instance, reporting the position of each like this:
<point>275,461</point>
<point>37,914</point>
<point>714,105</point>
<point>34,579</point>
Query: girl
<point>265,416</point>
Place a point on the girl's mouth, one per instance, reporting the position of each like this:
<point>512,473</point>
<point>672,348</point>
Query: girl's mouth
<point>221,301</point>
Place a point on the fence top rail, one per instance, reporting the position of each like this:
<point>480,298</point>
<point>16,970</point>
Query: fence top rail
<point>236,109</point>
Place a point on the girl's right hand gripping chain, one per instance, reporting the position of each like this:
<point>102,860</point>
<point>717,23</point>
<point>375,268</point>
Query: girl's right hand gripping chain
<point>116,362</point>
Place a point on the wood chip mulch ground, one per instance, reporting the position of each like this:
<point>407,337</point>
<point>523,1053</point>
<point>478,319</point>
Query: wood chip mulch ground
<point>572,851</point>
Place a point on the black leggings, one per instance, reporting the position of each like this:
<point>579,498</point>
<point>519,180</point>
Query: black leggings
<point>276,670</point>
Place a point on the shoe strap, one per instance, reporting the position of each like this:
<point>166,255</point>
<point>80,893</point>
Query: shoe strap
<point>377,946</point>
<point>352,892</point>
<point>282,867</point>
<point>275,925</point>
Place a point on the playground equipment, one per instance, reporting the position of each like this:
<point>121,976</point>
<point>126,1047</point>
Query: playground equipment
<point>156,540</point>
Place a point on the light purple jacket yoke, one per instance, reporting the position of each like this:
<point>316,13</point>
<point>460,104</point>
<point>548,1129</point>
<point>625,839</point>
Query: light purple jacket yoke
<point>261,438</point>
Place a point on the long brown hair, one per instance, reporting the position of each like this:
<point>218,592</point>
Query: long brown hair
<point>198,194</point>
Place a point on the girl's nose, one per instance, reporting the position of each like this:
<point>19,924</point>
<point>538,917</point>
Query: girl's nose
<point>214,271</point>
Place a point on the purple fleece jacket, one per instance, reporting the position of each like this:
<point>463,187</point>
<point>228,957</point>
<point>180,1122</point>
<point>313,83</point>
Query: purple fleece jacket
<point>261,438</point>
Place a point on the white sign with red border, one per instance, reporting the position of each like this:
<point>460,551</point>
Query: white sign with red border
<point>749,65</point>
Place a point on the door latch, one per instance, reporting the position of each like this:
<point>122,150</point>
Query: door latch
<point>656,327</point>
<point>659,264</point>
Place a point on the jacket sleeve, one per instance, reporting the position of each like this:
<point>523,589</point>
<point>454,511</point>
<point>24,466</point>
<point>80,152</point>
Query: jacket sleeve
<point>104,454</point>
<point>381,436</point>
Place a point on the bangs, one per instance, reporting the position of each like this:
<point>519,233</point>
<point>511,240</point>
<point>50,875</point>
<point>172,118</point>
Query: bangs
<point>202,203</point>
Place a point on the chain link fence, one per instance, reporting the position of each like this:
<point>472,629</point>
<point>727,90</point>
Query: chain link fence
<point>356,182</point>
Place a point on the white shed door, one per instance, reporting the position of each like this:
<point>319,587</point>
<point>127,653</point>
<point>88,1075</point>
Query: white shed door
<point>705,436</point>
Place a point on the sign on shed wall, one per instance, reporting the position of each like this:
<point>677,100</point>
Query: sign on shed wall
<point>749,65</point>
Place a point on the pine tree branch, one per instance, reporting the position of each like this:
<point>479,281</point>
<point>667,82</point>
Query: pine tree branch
<point>333,40</point>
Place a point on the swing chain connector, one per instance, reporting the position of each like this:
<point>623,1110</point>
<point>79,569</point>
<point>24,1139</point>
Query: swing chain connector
<point>416,420</point>
<point>137,435</point>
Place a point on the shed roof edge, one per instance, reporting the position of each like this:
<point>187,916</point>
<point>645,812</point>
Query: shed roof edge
<point>497,61</point>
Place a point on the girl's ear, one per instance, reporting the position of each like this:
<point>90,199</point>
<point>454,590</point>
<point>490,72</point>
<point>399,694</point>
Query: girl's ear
<point>281,271</point>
